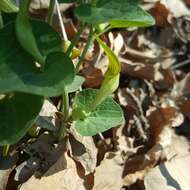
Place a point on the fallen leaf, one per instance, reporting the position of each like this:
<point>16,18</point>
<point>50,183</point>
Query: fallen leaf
<point>83,150</point>
<point>184,106</point>
<point>163,79</point>
<point>44,4</point>
<point>176,7</point>
<point>4,176</point>
<point>138,166</point>
<point>93,77</point>
<point>182,87</point>
<point>160,13</point>
<point>108,176</point>
<point>7,165</point>
<point>43,154</point>
<point>159,119</point>
<point>179,18</point>
<point>61,176</point>
<point>47,117</point>
<point>173,174</point>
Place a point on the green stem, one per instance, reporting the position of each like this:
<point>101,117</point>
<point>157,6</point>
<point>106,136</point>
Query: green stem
<point>50,12</point>
<point>65,106</point>
<point>76,39</point>
<point>62,131</point>
<point>1,21</point>
<point>6,150</point>
<point>65,110</point>
<point>89,40</point>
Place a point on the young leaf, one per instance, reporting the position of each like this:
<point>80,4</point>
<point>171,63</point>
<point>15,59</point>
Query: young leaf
<point>108,114</point>
<point>111,77</point>
<point>18,72</point>
<point>8,6</point>
<point>24,33</point>
<point>17,114</point>
<point>120,13</point>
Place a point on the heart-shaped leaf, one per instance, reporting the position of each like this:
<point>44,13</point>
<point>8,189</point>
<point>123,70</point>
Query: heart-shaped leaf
<point>17,114</point>
<point>120,13</point>
<point>18,71</point>
<point>106,115</point>
<point>76,84</point>
<point>27,41</point>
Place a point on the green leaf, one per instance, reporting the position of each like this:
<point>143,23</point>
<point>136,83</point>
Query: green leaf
<point>48,40</point>
<point>8,6</point>
<point>106,115</point>
<point>76,84</point>
<point>18,71</point>
<point>27,40</point>
<point>120,13</point>
<point>17,114</point>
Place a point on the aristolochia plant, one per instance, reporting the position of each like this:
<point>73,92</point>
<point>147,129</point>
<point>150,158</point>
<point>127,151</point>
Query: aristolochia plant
<point>35,63</point>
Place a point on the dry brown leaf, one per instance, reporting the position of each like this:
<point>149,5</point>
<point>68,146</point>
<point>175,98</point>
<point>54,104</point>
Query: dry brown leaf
<point>167,81</point>
<point>138,70</point>
<point>123,144</point>
<point>7,165</point>
<point>169,176</point>
<point>168,146</point>
<point>44,4</point>
<point>138,166</point>
<point>48,109</point>
<point>93,77</point>
<point>187,2</point>
<point>159,119</point>
<point>70,28</point>
<point>108,176</point>
<point>83,150</point>
<point>182,87</point>
<point>61,176</point>
<point>180,147</point>
<point>175,173</point>
<point>160,13</point>
<point>117,42</point>
<point>176,7</point>
<point>4,176</point>
<point>185,107</point>
<point>47,117</point>
<point>43,154</point>
<point>179,18</point>
<point>163,78</point>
